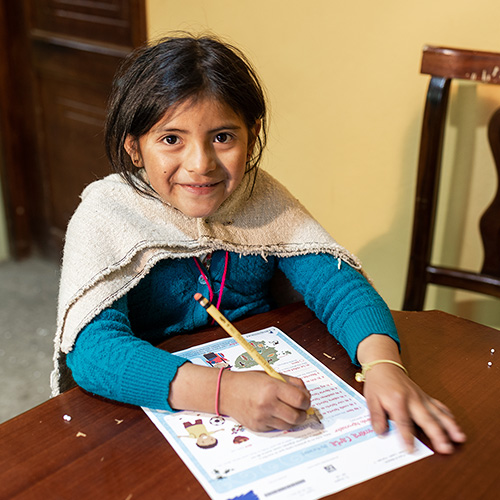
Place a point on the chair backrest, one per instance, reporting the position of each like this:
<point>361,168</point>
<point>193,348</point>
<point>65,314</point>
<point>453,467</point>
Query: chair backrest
<point>490,221</point>
<point>443,65</point>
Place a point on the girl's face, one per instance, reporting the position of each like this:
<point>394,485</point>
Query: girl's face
<point>195,155</point>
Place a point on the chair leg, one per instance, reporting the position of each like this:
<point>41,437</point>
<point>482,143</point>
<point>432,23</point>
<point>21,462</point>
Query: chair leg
<point>429,167</point>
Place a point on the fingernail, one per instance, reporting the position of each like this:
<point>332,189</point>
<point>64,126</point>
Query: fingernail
<point>446,448</point>
<point>380,429</point>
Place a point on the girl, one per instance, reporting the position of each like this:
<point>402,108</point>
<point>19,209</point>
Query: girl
<point>187,211</point>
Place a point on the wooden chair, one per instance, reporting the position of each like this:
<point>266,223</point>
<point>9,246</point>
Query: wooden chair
<point>444,65</point>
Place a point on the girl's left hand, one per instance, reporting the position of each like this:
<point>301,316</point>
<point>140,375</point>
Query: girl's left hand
<point>390,393</point>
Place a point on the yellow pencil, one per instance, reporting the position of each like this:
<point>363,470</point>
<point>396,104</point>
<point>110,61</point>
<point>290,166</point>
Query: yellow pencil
<point>249,348</point>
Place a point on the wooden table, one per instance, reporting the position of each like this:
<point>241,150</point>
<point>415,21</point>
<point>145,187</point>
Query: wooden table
<point>113,451</point>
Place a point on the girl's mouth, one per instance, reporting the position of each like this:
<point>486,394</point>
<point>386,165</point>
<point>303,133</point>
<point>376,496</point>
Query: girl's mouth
<point>201,188</point>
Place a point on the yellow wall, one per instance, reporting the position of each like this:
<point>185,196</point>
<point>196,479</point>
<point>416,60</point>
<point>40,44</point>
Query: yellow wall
<point>346,108</point>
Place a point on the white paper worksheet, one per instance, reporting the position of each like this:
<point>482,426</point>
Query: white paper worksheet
<point>308,462</point>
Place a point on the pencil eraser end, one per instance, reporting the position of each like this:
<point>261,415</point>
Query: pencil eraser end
<point>197,296</point>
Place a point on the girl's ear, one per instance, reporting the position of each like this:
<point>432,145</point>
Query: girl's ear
<point>131,146</point>
<point>252,136</point>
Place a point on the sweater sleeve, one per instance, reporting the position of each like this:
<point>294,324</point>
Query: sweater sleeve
<point>341,298</point>
<point>108,360</point>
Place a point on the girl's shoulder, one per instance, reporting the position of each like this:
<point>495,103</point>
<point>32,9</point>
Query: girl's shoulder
<point>112,183</point>
<point>266,184</point>
<point>113,197</point>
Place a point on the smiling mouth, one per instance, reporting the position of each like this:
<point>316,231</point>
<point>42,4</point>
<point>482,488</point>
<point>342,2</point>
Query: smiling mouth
<point>205,188</point>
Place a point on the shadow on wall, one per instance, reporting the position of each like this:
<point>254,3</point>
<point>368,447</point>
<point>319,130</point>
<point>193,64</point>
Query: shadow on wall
<point>386,258</point>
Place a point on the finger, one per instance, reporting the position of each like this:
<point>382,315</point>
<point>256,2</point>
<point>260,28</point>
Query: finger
<point>447,421</point>
<point>441,406</point>
<point>284,409</point>
<point>400,414</point>
<point>426,418</point>
<point>280,425</point>
<point>377,415</point>
<point>296,382</point>
<point>280,421</point>
<point>295,394</point>
<point>288,415</point>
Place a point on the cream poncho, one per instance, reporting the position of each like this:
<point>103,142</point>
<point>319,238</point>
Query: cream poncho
<point>116,236</point>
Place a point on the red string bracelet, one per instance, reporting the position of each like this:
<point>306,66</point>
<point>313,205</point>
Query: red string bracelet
<point>217,391</point>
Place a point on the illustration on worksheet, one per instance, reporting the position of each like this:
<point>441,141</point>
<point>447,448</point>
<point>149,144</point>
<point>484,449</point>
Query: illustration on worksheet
<point>216,360</point>
<point>198,431</point>
<point>266,348</point>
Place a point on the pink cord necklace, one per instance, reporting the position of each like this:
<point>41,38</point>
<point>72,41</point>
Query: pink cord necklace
<point>223,280</point>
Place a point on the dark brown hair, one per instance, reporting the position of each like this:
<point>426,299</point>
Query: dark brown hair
<point>166,73</point>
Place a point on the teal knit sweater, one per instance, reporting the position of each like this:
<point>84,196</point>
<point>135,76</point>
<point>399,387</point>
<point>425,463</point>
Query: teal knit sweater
<point>114,356</point>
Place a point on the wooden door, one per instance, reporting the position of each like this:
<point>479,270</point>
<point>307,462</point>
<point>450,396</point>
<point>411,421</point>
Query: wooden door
<point>72,50</point>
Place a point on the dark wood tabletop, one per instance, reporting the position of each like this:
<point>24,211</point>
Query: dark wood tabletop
<point>113,451</point>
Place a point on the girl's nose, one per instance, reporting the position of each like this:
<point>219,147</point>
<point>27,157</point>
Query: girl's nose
<point>201,159</point>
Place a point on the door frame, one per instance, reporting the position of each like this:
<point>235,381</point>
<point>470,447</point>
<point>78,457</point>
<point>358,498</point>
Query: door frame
<point>20,171</point>
<point>16,138</point>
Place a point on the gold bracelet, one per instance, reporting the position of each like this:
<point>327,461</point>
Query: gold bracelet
<point>360,376</point>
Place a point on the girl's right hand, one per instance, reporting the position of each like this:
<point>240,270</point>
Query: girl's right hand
<point>262,403</point>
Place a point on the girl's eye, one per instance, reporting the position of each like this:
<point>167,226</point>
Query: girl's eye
<point>171,139</point>
<point>223,137</point>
